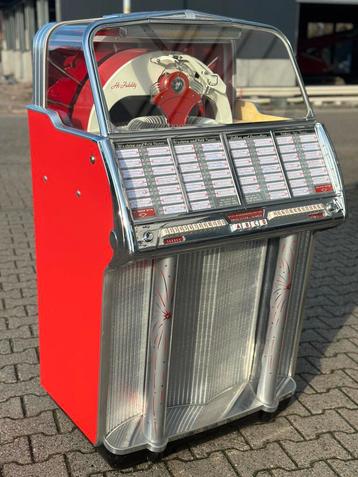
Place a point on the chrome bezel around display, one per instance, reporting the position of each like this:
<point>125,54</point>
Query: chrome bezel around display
<point>175,17</point>
<point>242,129</point>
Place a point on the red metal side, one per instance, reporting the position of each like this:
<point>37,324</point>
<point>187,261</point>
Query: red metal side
<point>72,252</point>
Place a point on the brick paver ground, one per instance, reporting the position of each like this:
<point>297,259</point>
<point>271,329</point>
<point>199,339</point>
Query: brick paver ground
<point>317,435</point>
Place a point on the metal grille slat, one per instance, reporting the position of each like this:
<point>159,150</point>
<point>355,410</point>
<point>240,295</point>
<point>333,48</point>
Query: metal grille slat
<point>214,322</point>
<point>129,318</point>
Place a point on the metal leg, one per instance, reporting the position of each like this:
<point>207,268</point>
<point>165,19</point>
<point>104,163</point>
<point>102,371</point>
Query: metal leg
<point>159,341</point>
<point>280,294</point>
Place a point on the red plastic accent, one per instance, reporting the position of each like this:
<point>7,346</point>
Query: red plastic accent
<point>324,188</point>
<point>142,213</point>
<point>176,104</point>
<point>317,215</point>
<point>173,240</point>
<point>72,251</point>
<point>247,215</point>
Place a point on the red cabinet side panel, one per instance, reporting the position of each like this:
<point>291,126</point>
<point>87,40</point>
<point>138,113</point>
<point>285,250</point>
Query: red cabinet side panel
<point>73,219</point>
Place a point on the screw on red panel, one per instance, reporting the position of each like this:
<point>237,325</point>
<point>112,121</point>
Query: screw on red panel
<point>92,159</point>
<point>45,178</point>
<point>78,193</point>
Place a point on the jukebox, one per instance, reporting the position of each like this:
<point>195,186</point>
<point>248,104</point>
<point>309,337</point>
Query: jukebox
<point>179,177</point>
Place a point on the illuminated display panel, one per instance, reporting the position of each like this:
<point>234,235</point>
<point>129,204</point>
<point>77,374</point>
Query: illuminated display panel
<point>193,174</point>
<point>206,173</point>
<point>258,168</point>
<point>151,179</point>
<point>304,163</point>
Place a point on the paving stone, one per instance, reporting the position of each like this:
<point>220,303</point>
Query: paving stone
<point>219,439</point>
<point>319,469</point>
<point>259,435</point>
<point>22,344</point>
<point>216,464</point>
<point>64,422</point>
<point>294,408</point>
<point>345,468</point>
<point>352,393</point>
<point>305,366</point>
<point>323,448</point>
<point>31,309</point>
<point>333,321</point>
<point>34,328</point>
<point>353,373</point>
<point>302,386</point>
<point>7,375</point>
<point>21,332</point>
<point>332,334</point>
<point>351,415</point>
<point>5,348</point>
<point>16,451</point>
<point>11,408</point>
<point>326,365</point>
<point>349,441</point>
<point>28,356</point>
<point>312,320</point>
<point>306,349</point>
<point>36,404</point>
<point>28,371</point>
<point>311,335</point>
<point>83,464</point>
<point>323,382</point>
<point>19,388</point>
<point>44,446</point>
<point>11,428</point>
<point>156,470</point>
<point>54,467</point>
<point>249,462</point>
<point>179,450</point>
<point>318,403</point>
<point>16,322</point>
<point>312,426</point>
<point>341,346</point>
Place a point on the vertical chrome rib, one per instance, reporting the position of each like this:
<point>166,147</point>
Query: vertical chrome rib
<point>159,339</point>
<point>280,295</point>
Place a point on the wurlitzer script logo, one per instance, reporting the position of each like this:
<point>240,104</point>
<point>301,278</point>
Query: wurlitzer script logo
<point>124,84</point>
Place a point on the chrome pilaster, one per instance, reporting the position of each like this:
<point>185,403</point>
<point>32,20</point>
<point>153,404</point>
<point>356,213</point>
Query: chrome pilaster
<point>280,295</point>
<point>159,344</point>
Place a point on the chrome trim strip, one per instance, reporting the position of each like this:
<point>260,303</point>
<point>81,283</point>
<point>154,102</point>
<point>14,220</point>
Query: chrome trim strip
<point>332,163</point>
<point>126,239</point>
<point>39,63</point>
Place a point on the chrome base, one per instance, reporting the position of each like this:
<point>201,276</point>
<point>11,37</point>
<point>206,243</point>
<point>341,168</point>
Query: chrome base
<point>129,437</point>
